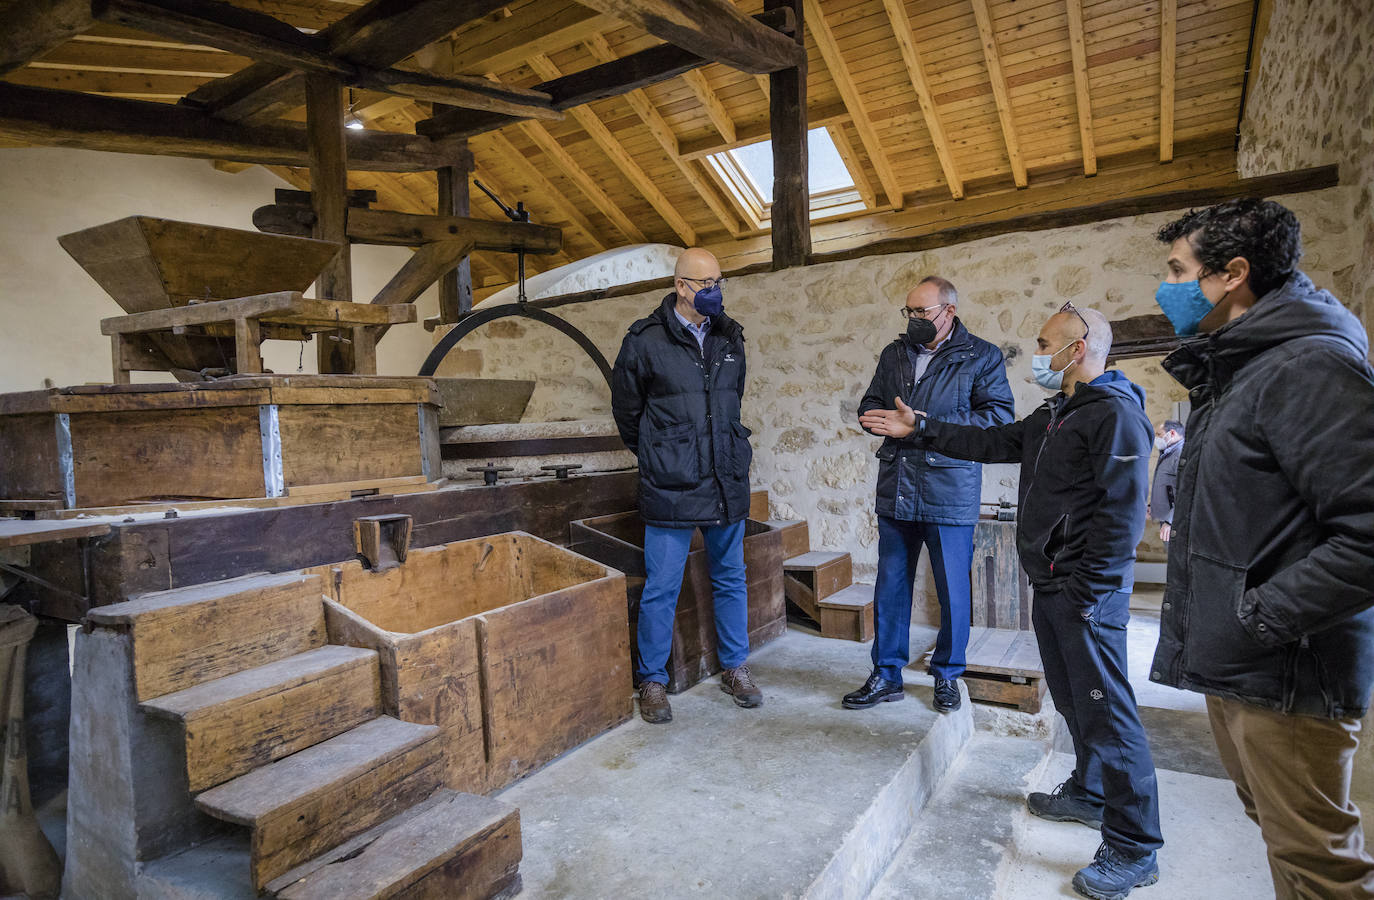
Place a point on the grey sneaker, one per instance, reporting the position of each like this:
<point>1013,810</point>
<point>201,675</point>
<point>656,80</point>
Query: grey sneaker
<point>1060,805</point>
<point>740,684</point>
<point>1112,874</point>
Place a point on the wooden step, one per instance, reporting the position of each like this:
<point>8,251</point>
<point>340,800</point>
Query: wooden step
<point>451,845</point>
<point>848,614</point>
<point>796,536</point>
<point>242,721</point>
<point>811,577</point>
<point>1003,666</point>
<point>316,799</point>
<point>187,636</point>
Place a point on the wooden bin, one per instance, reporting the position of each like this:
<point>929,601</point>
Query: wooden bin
<point>268,436</point>
<point>618,540</point>
<point>515,647</point>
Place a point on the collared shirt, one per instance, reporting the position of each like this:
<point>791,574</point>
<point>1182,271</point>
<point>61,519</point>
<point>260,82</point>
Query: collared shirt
<point>697,331</point>
<point>922,357</point>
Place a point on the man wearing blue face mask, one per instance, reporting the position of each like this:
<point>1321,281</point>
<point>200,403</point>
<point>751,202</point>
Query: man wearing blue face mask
<point>675,395</point>
<point>1084,460</point>
<point>1268,608</point>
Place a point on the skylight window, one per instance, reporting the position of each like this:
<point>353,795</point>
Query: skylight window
<point>747,174</point>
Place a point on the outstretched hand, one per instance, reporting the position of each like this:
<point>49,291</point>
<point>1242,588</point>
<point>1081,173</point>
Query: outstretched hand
<point>896,423</point>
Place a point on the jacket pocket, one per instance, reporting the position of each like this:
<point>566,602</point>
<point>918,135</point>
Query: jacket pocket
<point>1217,648</point>
<point>939,461</point>
<point>741,451</point>
<point>669,457</point>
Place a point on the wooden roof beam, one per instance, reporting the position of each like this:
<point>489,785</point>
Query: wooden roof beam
<point>1079,49</point>
<point>90,122</point>
<point>988,37</point>
<point>849,92</point>
<point>715,110</point>
<point>378,34</point>
<point>750,133</point>
<point>531,173</point>
<point>639,101</point>
<point>571,169</point>
<point>854,165</point>
<point>1168,50</point>
<point>505,44</point>
<point>901,28</point>
<point>602,137</point>
<point>34,27</point>
<point>712,29</point>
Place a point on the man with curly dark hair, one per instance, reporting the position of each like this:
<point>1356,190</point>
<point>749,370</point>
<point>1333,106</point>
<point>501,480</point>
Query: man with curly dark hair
<point>1269,608</point>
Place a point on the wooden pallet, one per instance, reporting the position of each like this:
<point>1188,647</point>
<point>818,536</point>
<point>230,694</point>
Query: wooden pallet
<point>1003,667</point>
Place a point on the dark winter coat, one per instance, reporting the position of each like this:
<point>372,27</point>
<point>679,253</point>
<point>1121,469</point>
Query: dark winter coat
<point>677,407</point>
<point>1085,467</point>
<point>1271,564</point>
<point>1164,488</point>
<point>965,383</point>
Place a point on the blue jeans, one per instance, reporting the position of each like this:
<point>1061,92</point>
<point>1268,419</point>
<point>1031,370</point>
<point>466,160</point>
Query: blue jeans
<point>951,556</point>
<point>665,556</point>
<point>1085,669</point>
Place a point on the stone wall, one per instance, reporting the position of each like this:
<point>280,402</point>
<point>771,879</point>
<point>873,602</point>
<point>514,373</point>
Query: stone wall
<point>813,336</point>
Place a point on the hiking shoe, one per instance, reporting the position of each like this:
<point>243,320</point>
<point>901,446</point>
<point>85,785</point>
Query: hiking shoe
<point>1061,805</point>
<point>738,683</point>
<point>876,689</point>
<point>947,697</point>
<point>653,703</point>
<point>1113,874</point>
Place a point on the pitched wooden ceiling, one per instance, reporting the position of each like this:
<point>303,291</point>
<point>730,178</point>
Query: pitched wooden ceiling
<point>929,102</point>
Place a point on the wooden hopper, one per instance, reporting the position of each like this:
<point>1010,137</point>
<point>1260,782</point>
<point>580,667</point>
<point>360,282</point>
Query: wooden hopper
<point>146,263</point>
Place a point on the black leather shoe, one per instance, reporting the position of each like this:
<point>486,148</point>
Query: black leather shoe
<point>947,697</point>
<point>876,689</point>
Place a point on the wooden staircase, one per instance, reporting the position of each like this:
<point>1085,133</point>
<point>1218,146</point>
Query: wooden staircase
<point>283,736</point>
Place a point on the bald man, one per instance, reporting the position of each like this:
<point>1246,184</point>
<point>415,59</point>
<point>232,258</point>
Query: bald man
<point>675,395</point>
<point>1084,458</point>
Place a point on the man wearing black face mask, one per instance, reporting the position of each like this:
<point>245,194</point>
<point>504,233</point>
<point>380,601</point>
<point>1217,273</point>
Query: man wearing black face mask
<point>1268,609</point>
<point>924,497</point>
<point>675,395</point>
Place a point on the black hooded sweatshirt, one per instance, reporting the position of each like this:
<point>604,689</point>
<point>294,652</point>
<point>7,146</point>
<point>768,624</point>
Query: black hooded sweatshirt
<point>1271,565</point>
<point>1084,475</point>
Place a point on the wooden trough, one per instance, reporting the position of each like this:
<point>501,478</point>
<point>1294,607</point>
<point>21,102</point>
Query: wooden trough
<point>618,541</point>
<point>517,649</point>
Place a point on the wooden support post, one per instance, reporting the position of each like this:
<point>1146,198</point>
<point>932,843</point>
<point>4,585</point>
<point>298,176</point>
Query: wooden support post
<point>364,350</point>
<point>791,190</point>
<point>120,355</point>
<point>329,196</point>
<point>455,285</point>
<point>247,347</point>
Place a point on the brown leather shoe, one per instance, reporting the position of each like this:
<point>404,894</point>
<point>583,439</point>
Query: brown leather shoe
<point>740,684</point>
<point>653,703</point>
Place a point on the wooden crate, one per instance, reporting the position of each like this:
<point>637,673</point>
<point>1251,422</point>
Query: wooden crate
<point>1003,667</point>
<point>618,541</point>
<point>1001,591</point>
<point>516,648</point>
<point>261,437</point>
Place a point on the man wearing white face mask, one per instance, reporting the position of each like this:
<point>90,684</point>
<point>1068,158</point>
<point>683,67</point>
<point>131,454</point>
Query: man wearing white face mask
<point>1084,460</point>
<point>1169,443</point>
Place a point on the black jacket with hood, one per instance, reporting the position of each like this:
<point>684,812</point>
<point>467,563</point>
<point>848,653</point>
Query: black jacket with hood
<point>1084,473</point>
<point>1270,597</point>
<point>677,407</point>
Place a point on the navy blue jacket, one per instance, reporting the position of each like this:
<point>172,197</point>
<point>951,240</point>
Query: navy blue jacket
<point>1085,468</point>
<point>966,383</point>
<point>1270,597</point>
<point>677,408</point>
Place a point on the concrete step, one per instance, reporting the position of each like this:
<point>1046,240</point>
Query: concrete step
<point>316,799</point>
<point>237,723</point>
<point>188,636</point>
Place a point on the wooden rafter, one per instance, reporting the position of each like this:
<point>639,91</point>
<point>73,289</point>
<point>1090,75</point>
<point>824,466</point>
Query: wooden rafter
<point>504,44</point>
<point>602,137</point>
<point>1168,49</point>
<point>750,132</point>
<point>715,110</point>
<point>915,67</point>
<point>713,29</point>
<point>993,57</point>
<point>854,165</point>
<point>563,162</point>
<point>839,71</point>
<point>31,28</point>
<point>531,173</point>
<point>1079,50</point>
<point>639,101</point>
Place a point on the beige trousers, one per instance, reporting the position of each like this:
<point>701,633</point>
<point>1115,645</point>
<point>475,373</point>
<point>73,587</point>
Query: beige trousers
<point>1293,775</point>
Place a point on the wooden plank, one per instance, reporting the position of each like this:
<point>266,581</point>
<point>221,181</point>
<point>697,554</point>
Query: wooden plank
<point>988,38</point>
<point>839,71</point>
<point>1082,93</point>
<point>796,537</point>
<point>31,453</point>
<point>235,724</point>
<point>791,211</point>
<point>349,487</point>
<point>457,846</point>
<point>283,307</point>
<point>17,533</point>
<point>186,637</point>
<point>503,44</point>
<point>713,29</point>
<point>915,67</point>
<point>1168,50</point>
<point>327,444</point>
<point>425,267</point>
<point>593,191</point>
<point>112,124</point>
<point>852,164</point>
<point>329,201</point>
<point>33,28</point>
<point>758,505</point>
<point>710,103</point>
